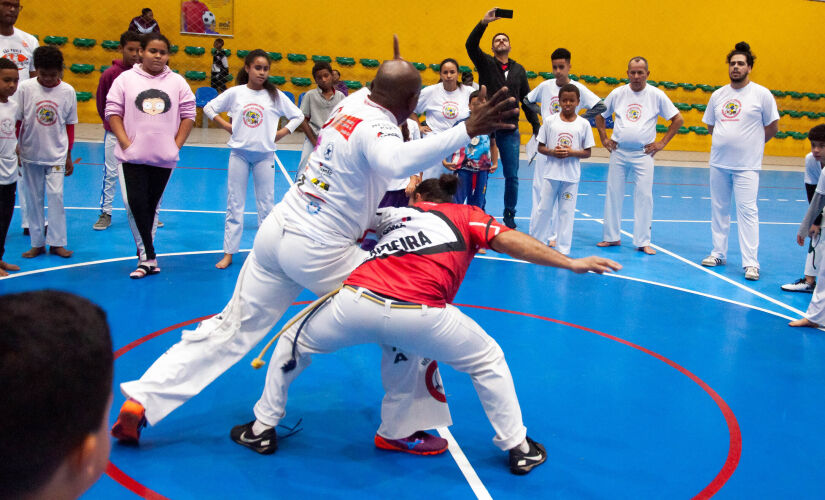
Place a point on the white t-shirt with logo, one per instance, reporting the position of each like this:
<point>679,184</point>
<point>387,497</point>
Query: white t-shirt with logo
<point>8,142</point>
<point>444,109</point>
<point>739,118</point>
<point>19,48</point>
<point>45,112</point>
<point>255,117</point>
<point>547,93</point>
<point>556,132</point>
<point>415,134</point>
<point>636,114</point>
<point>812,169</point>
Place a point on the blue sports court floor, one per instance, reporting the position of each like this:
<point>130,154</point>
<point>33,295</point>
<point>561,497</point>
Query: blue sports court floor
<point>666,380</point>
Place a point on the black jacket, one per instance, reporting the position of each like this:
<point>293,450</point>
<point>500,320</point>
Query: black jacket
<point>491,75</point>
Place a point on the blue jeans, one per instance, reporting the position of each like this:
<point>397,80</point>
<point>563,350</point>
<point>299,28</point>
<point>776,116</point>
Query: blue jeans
<point>508,142</point>
<point>466,192</point>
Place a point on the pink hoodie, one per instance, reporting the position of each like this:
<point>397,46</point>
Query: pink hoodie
<point>152,108</point>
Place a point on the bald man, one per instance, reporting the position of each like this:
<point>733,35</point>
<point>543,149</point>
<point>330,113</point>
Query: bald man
<point>311,240</point>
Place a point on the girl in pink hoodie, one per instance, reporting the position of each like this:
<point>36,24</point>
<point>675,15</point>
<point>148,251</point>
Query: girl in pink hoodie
<point>151,111</point>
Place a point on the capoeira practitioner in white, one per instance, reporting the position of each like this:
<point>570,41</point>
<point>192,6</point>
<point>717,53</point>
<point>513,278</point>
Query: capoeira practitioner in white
<point>257,106</point>
<point>547,93</point>
<point>563,139</point>
<point>815,315</point>
<point>814,161</point>
<point>401,296</point>
<point>636,107</point>
<point>309,240</point>
<point>741,117</point>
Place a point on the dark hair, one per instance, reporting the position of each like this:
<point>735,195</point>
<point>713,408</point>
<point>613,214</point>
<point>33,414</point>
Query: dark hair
<point>637,59</point>
<point>744,49</point>
<point>243,76</point>
<point>569,87</point>
<point>145,10</point>
<point>7,64</point>
<point>218,40</point>
<point>449,60</point>
<point>148,37</point>
<point>48,57</point>
<point>473,95</point>
<point>319,66</point>
<point>467,77</point>
<point>56,373</point>
<point>441,190</point>
<point>505,34</point>
<point>336,71</point>
<point>129,36</point>
<point>560,53</point>
<point>153,94</point>
<point>815,134</point>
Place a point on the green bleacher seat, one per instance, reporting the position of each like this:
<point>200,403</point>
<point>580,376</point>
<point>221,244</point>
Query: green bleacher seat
<point>300,81</point>
<point>277,80</point>
<point>370,63</point>
<point>345,61</point>
<point>110,44</point>
<point>296,58</point>
<point>82,68</point>
<point>321,59</point>
<point>195,75</point>
<point>84,42</point>
<point>194,51</point>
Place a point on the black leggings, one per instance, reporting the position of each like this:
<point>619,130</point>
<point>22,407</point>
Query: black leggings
<point>6,211</point>
<point>144,188</point>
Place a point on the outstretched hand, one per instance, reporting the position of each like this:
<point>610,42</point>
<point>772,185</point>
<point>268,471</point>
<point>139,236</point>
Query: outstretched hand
<point>490,16</point>
<point>493,114</point>
<point>597,265</point>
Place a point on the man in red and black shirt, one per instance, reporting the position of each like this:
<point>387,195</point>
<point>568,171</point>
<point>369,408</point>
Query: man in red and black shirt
<point>401,297</point>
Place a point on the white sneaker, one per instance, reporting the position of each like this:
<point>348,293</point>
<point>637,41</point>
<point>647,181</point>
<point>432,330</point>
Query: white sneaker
<point>752,273</point>
<point>799,285</point>
<point>711,261</point>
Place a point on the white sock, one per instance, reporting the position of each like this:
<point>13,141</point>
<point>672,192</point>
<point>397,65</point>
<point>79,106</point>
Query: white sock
<point>258,427</point>
<point>524,447</point>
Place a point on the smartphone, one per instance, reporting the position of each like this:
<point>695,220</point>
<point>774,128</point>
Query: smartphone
<point>505,13</point>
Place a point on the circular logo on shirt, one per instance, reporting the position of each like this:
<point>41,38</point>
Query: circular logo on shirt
<point>328,151</point>
<point>554,105</point>
<point>253,115</point>
<point>46,113</point>
<point>7,127</point>
<point>731,108</point>
<point>567,196</point>
<point>565,140</point>
<point>634,112</point>
<point>449,109</point>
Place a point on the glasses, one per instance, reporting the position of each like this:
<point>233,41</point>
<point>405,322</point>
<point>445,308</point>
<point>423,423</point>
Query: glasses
<point>11,6</point>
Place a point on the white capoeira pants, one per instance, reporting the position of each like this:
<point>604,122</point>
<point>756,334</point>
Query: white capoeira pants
<point>815,258</point>
<point>21,198</point>
<point>110,173</point>
<point>553,223</point>
<point>744,185</point>
<point>141,250</point>
<point>558,202</point>
<point>282,263</point>
<point>816,309</point>
<point>445,334</point>
<point>263,175</point>
<point>629,166</point>
<point>48,179</point>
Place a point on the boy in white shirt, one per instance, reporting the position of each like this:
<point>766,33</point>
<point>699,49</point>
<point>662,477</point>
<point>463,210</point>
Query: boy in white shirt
<point>547,93</point>
<point>636,108</point>
<point>814,162</point>
<point>741,117</point>
<point>318,103</point>
<point>559,170</point>
<point>8,155</point>
<point>48,112</point>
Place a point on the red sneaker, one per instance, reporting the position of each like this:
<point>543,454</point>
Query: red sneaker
<point>129,422</point>
<point>420,443</point>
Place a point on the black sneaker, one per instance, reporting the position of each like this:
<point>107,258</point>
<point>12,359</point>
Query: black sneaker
<point>522,463</point>
<point>264,443</point>
<point>509,219</point>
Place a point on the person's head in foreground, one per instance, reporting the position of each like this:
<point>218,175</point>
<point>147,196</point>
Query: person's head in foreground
<point>56,374</point>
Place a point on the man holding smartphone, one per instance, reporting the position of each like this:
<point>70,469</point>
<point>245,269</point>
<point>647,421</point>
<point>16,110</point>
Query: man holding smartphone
<point>498,71</point>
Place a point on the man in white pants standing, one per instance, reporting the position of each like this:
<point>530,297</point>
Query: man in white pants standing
<point>636,108</point>
<point>741,116</point>
<point>311,240</point>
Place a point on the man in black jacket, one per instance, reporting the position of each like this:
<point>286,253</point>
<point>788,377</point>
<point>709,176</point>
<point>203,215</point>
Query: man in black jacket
<point>497,71</point>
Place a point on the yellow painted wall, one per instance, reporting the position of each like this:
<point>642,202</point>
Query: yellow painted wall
<point>684,41</point>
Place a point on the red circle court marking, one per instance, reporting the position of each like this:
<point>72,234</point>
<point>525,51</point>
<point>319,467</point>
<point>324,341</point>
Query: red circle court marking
<point>734,446</point>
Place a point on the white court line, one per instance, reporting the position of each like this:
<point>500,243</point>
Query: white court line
<point>170,210</point>
<point>464,465</point>
<point>663,285</point>
<point>106,261</point>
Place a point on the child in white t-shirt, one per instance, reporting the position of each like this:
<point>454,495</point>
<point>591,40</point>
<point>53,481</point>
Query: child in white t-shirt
<point>256,105</point>
<point>47,110</point>
<point>563,139</point>
<point>9,77</point>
